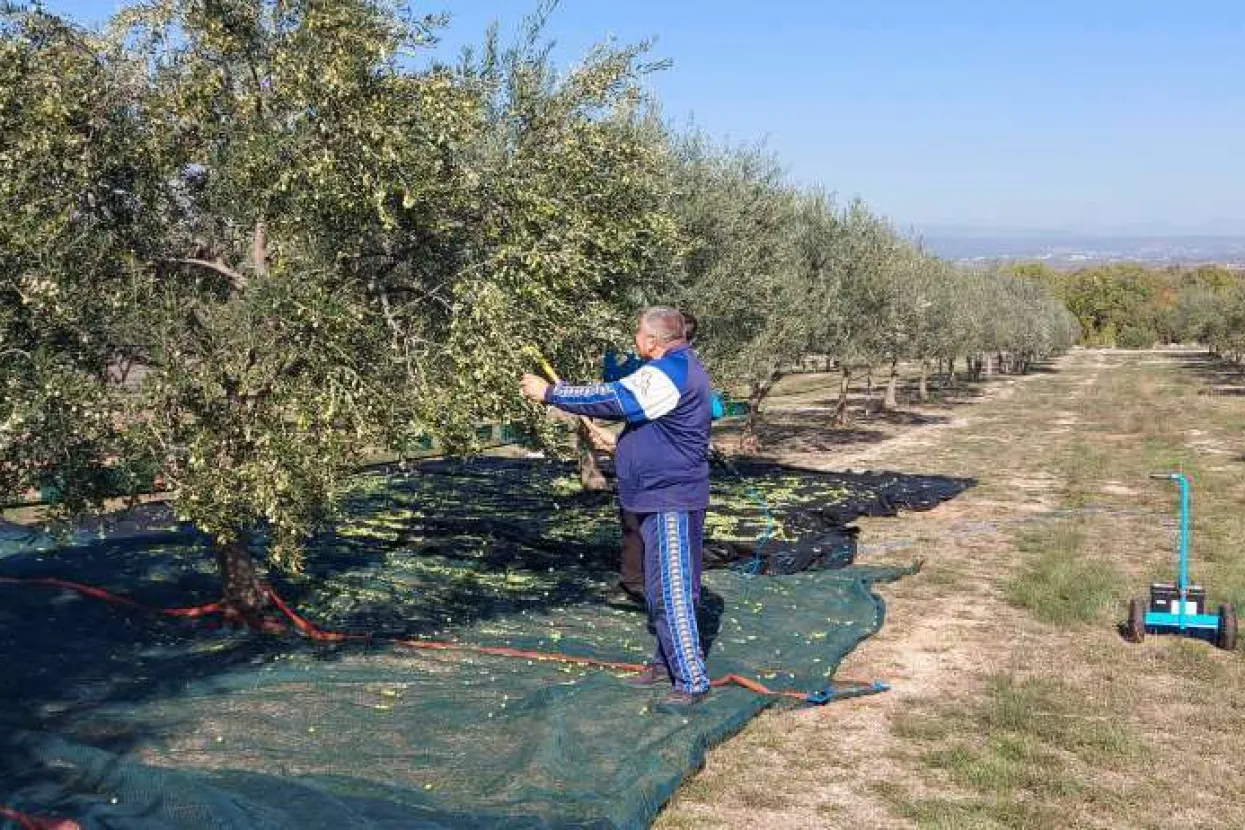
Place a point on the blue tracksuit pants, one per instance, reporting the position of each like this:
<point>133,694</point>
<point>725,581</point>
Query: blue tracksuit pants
<point>672,563</point>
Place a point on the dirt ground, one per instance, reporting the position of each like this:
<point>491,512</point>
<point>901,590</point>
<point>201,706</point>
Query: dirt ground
<point>1015,701</point>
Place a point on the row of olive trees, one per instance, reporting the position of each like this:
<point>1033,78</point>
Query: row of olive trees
<point>1214,316</point>
<point>241,241</point>
<point>778,273</point>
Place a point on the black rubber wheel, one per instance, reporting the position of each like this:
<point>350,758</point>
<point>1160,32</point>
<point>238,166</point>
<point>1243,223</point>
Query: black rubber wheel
<point>1136,629</point>
<point>1225,638</point>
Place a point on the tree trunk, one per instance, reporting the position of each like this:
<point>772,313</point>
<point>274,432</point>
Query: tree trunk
<point>243,593</point>
<point>951,373</point>
<point>840,408</point>
<point>922,389</point>
<point>259,248</point>
<point>868,404</point>
<point>590,475</point>
<point>749,440</point>
<point>892,386</point>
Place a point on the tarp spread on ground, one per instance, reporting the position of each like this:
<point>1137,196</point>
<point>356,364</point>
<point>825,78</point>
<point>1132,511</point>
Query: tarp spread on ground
<point>117,718</point>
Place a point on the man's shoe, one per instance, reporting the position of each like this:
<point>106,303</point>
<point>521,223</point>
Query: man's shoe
<point>651,676</point>
<point>677,701</point>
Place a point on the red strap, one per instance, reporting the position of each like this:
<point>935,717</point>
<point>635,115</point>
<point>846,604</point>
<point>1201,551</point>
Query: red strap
<point>313,632</point>
<point>32,823</point>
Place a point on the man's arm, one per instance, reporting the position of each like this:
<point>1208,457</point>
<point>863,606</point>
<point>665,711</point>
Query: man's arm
<point>592,400</point>
<point>536,388</point>
<point>645,395</point>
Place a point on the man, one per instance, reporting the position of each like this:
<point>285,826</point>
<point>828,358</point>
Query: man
<point>663,478</point>
<point>631,565</point>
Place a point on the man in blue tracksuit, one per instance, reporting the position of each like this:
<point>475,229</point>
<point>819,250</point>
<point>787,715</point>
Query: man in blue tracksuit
<point>631,560</point>
<point>662,463</point>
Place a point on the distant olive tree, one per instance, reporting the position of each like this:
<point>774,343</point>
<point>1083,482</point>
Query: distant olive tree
<point>858,317</point>
<point>1214,317</point>
<point>741,271</point>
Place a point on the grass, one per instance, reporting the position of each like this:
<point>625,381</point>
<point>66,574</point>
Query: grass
<point>1090,712</point>
<point>1024,734</point>
<point>1025,755</point>
<point>1063,582</point>
<point>978,814</point>
<point>1083,466</point>
<point>1025,708</point>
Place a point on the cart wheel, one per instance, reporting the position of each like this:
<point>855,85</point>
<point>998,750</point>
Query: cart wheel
<point>1136,631</point>
<point>1226,636</point>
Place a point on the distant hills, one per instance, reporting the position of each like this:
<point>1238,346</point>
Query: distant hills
<point>1063,250</point>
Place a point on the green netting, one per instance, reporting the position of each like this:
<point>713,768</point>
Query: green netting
<point>122,719</point>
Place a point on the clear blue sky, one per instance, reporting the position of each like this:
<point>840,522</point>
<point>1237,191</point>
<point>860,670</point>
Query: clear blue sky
<point>1098,115</point>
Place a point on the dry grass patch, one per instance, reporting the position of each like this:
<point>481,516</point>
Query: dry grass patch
<point>1017,703</point>
<point>1030,753</point>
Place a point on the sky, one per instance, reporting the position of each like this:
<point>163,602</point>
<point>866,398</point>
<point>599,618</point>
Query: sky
<point>1086,116</point>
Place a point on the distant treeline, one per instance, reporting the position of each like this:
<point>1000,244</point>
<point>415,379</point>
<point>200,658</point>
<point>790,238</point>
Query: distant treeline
<point>1132,306</point>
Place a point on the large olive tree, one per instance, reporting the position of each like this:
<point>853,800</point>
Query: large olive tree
<point>310,243</point>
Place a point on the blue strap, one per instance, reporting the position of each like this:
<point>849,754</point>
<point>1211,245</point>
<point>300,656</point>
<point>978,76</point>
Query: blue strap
<point>830,693</point>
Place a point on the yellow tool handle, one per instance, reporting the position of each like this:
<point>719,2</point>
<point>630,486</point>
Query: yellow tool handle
<point>545,366</point>
<point>550,373</point>
<point>548,369</point>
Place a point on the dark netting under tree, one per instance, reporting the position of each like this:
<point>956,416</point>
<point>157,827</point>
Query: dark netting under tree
<point>117,717</point>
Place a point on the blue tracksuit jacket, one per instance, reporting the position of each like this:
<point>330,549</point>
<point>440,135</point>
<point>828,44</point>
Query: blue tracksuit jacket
<point>663,453</point>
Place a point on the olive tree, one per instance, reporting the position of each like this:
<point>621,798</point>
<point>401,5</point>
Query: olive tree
<point>741,269</point>
<point>569,230</point>
<point>73,182</point>
<point>1213,316</point>
<point>313,244</point>
<point>860,254</point>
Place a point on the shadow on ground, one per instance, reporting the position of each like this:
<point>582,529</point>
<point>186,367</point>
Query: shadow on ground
<point>1217,375</point>
<point>800,420</point>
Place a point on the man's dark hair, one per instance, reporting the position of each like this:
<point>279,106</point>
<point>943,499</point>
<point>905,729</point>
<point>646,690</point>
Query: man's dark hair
<point>689,326</point>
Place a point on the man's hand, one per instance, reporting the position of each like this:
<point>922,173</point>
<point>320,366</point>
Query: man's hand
<point>533,388</point>
<point>602,440</point>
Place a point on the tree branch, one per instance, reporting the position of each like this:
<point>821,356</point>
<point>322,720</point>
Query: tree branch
<point>237,280</point>
<point>399,337</point>
<point>259,248</point>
